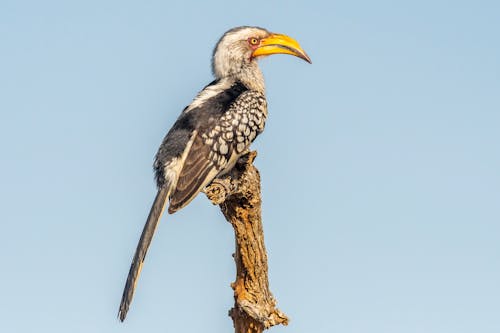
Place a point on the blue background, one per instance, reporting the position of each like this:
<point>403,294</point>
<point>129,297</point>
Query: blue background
<point>380,166</point>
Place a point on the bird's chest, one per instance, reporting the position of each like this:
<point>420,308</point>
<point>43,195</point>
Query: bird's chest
<point>238,127</point>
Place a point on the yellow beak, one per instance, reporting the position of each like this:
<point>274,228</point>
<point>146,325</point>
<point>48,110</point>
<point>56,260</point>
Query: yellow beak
<point>277,43</point>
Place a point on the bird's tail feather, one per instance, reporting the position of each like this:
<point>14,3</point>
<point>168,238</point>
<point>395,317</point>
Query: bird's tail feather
<point>144,242</point>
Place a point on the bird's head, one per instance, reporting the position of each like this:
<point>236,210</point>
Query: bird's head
<point>236,52</point>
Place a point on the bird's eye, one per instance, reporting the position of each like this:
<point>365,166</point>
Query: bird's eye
<point>253,41</point>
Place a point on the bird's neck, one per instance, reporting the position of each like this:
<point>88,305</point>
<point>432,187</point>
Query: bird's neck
<point>250,76</point>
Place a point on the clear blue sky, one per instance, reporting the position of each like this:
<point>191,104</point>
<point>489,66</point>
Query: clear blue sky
<point>380,166</point>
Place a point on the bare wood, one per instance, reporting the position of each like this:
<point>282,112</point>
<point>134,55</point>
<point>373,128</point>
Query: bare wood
<point>239,197</point>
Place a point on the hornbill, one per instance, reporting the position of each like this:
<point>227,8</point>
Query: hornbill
<point>213,131</point>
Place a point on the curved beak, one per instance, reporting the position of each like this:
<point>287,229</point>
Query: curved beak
<point>277,43</point>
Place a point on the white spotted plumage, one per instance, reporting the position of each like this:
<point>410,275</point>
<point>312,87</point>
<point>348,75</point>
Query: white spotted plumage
<point>235,124</point>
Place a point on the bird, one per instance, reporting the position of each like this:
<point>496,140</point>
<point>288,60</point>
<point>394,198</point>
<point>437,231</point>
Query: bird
<point>213,131</point>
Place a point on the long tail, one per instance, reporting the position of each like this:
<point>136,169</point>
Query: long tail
<point>142,248</point>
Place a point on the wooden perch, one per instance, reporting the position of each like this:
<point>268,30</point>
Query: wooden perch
<point>238,195</point>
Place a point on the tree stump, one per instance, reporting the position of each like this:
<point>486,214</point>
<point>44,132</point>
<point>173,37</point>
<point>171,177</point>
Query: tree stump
<point>239,197</point>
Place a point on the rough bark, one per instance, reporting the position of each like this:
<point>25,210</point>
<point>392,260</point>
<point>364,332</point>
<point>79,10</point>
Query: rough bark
<point>239,197</point>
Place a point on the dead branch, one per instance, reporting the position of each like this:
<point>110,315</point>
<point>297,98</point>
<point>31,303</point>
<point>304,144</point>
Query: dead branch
<point>239,197</point>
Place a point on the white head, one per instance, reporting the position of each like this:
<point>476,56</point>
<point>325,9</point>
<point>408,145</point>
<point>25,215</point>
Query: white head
<point>236,52</point>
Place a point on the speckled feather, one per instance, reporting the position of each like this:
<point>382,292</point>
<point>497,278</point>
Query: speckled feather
<point>224,132</point>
